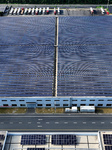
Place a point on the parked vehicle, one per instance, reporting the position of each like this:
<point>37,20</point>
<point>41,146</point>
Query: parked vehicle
<point>44,10</point>
<point>40,11</point>
<point>54,11</point>
<point>22,11</point>
<point>26,10</point>
<point>58,11</point>
<point>47,10</point>
<point>36,11</point>
<point>18,11</point>
<point>11,11</point>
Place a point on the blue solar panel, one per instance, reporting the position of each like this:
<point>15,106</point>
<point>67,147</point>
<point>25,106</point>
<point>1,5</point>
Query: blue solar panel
<point>26,56</point>
<point>64,139</point>
<point>85,30</point>
<point>107,139</point>
<point>108,147</point>
<point>27,30</point>
<point>33,139</point>
<point>85,56</point>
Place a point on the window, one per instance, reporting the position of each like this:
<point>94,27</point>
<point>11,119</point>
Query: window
<point>48,100</point>
<point>83,100</point>
<point>4,100</point>
<point>100,100</point>
<point>65,100</point>
<point>39,104</point>
<point>13,100</point>
<point>39,100</point>
<point>92,100</point>
<point>14,104</point>
<point>109,100</point>
<point>109,105</point>
<point>74,100</point>
<point>65,104</point>
<point>5,105</point>
<point>22,105</point>
<point>57,104</point>
<point>48,104</point>
<point>21,100</point>
<point>56,100</point>
<point>100,104</point>
<point>82,104</point>
<point>91,104</point>
<point>74,104</point>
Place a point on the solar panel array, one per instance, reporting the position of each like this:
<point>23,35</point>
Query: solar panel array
<point>108,147</point>
<point>64,139</point>
<point>26,56</point>
<point>33,139</point>
<point>2,137</point>
<point>85,56</point>
<point>35,148</point>
<point>107,139</point>
<point>1,146</point>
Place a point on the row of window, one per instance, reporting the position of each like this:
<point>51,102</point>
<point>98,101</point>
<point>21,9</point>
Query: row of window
<point>12,100</point>
<point>91,105</point>
<point>59,100</point>
<point>23,105</point>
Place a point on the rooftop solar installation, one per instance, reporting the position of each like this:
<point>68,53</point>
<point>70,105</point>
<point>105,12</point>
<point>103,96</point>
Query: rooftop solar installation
<point>33,139</point>
<point>26,56</point>
<point>85,56</point>
<point>107,139</point>
<point>86,30</point>
<point>1,146</point>
<point>27,30</point>
<point>64,139</point>
<point>108,147</point>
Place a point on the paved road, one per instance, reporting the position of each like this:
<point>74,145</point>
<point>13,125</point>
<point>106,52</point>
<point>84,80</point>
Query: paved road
<point>64,122</point>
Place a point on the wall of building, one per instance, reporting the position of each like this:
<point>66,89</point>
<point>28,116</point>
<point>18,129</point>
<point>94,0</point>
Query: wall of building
<point>56,101</point>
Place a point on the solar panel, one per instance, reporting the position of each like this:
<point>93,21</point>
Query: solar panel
<point>1,146</point>
<point>64,139</point>
<point>27,56</point>
<point>33,139</point>
<point>84,55</point>
<point>2,137</point>
<point>108,147</point>
<point>107,139</point>
<point>85,30</point>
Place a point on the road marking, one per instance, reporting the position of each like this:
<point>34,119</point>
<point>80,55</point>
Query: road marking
<point>65,122</point>
<point>11,122</point>
<point>2,123</point>
<point>84,122</point>
<point>75,122</point>
<point>93,122</point>
<point>102,122</point>
<point>57,116</point>
<point>40,119</point>
<point>47,122</point>
<point>111,122</point>
<point>38,122</point>
<point>56,122</point>
<point>20,122</point>
<point>39,126</point>
<point>29,122</point>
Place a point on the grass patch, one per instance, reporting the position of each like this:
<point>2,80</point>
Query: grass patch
<point>103,110</point>
<point>49,110</point>
<point>100,7</point>
<point>12,110</point>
